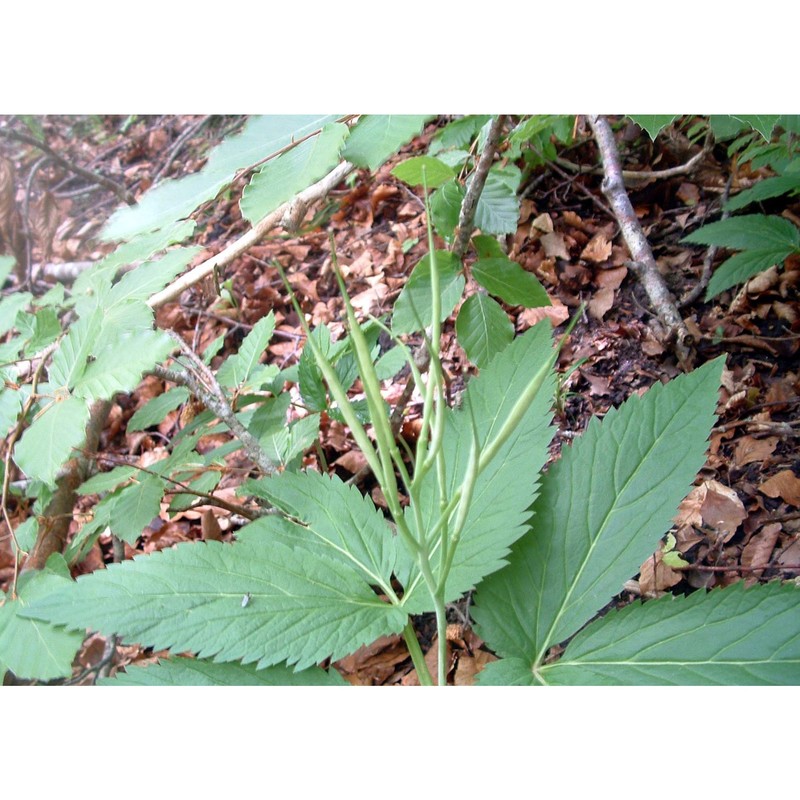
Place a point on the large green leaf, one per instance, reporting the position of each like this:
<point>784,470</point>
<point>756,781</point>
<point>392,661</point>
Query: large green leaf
<point>52,438</point>
<point>6,265</point>
<point>11,306</point>
<point>376,138</point>
<point>445,204</point>
<point>763,190</point>
<point>155,410</point>
<point>252,601</point>
<point>119,366</point>
<point>32,649</point>
<point>497,211</point>
<point>173,200</point>
<point>152,276</point>
<point>504,491</point>
<point>200,672</point>
<point>602,509</point>
<point>423,171</point>
<point>507,280</point>
<point>732,636</point>
<point>413,309</point>
<point>763,123</point>
<point>740,268</point>
<point>237,369</point>
<point>653,123</point>
<point>283,177</point>
<point>483,329</point>
<point>136,506</point>
<point>337,521</point>
<point>69,361</point>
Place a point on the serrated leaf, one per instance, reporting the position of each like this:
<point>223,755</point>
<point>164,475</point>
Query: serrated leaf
<point>390,363</point>
<point>302,608</point>
<point>136,507</point>
<point>603,507</point>
<point>510,282</point>
<point>376,138</point>
<point>337,521</point>
<point>763,190</point>
<point>283,177</point>
<point>424,170</point>
<point>206,482</point>
<point>237,369</point>
<point>119,367</point>
<point>763,123</point>
<point>155,410</point>
<point>52,438</point>
<point>173,200</point>
<point>731,636</point>
<point>483,329</point>
<point>11,306</point>
<point>749,232</point>
<point>40,329</point>
<point>32,649</point>
<point>69,360</point>
<point>503,494</point>
<point>200,672</point>
<point>284,444</point>
<point>739,268</point>
<point>6,265</point>
<point>152,276</point>
<point>10,406</point>
<point>445,205</point>
<point>458,133</point>
<point>107,481</point>
<point>497,211</point>
<point>413,309</point>
<point>653,123</point>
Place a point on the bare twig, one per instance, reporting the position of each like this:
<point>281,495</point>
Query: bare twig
<point>289,215</point>
<point>643,261</point>
<point>467,216</point>
<point>118,190</point>
<point>179,143</point>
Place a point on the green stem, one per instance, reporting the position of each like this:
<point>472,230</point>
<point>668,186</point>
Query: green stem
<point>412,643</point>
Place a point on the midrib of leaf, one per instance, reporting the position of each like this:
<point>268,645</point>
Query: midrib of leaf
<point>606,519</point>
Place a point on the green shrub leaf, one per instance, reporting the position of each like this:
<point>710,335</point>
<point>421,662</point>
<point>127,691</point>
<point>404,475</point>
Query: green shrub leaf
<point>602,508</point>
<point>483,329</point>
<point>107,481</point>
<point>32,649</point>
<point>653,123</point>
<point>730,636</point>
<point>173,200</point>
<point>283,177</point>
<point>237,369</point>
<point>445,205</point>
<point>424,170</point>
<point>52,439</point>
<point>414,306</point>
<point>763,190</point>
<point>253,601</point>
<point>200,672</point>
<point>497,211</point>
<point>507,280</point>
<point>154,411</point>
<point>136,506</point>
<point>376,138</point>
<point>506,488</point>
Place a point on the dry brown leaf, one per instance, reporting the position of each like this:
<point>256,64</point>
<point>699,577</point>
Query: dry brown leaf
<point>689,510</point>
<point>209,526</point>
<point>785,485</point>
<point>749,449</point>
<point>597,250</point>
<point>543,223</point>
<point>656,577</point>
<point>352,461</point>
<point>610,278</point>
<point>758,550</point>
<point>7,198</point>
<point>722,509</point>
<point>370,301</point>
<point>601,303</point>
<point>556,313</point>
<point>688,194</point>
<point>555,246</point>
<point>375,662</point>
<point>469,666</point>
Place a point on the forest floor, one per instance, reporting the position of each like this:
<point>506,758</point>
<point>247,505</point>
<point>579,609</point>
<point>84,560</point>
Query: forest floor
<point>741,520</point>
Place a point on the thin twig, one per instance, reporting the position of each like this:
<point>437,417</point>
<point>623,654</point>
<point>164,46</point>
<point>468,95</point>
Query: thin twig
<point>179,143</point>
<point>643,260</point>
<point>118,190</point>
<point>467,216</point>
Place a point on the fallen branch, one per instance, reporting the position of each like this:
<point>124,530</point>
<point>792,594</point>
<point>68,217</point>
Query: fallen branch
<point>643,264</point>
<point>288,216</point>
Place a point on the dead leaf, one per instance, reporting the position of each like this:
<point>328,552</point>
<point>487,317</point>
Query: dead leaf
<point>209,527</point>
<point>610,278</point>
<point>431,660</point>
<point>722,509</point>
<point>688,194</point>
<point>370,300</point>
<point>656,577</point>
<point>749,449</point>
<point>758,550</point>
<point>543,223</point>
<point>785,485</point>
<point>597,250</point>
<point>601,303</point>
<point>375,662</point>
<point>44,219</point>
<point>555,246</point>
<point>352,461</point>
<point>469,666</point>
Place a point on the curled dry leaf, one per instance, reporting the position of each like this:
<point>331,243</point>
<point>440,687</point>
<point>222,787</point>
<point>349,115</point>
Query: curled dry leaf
<point>555,246</point>
<point>655,577</point>
<point>749,449</point>
<point>597,250</point>
<point>556,313</point>
<point>45,216</point>
<point>714,505</point>
<point>210,527</point>
<point>601,303</point>
<point>785,485</point>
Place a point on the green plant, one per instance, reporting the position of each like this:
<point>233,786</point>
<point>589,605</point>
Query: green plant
<point>322,571</point>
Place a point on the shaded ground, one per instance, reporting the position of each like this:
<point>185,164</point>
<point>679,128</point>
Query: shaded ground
<point>741,521</point>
